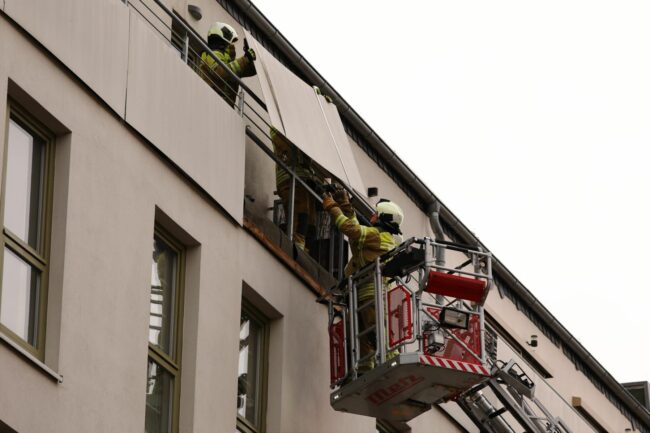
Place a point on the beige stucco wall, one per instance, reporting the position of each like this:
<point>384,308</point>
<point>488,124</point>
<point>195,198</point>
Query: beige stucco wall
<point>434,421</point>
<point>115,184</point>
<point>416,222</point>
<point>566,381</point>
<point>109,182</point>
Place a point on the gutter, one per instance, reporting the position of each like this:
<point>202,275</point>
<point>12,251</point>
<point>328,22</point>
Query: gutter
<point>428,199</point>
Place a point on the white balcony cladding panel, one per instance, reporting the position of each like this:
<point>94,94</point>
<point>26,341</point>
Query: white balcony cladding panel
<point>177,111</point>
<point>88,36</point>
<point>307,119</point>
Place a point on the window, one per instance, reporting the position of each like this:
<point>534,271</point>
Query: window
<point>26,210</point>
<point>165,320</point>
<point>251,380</point>
<point>640,391</point>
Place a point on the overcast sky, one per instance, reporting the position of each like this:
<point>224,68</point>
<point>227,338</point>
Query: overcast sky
<point>531,121</point>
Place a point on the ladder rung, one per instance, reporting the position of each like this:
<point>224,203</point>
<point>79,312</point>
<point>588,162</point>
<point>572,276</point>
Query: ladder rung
<point>368,356</point>
<point>498,413</point>
<point>367,330</point>
<point>366,305</point>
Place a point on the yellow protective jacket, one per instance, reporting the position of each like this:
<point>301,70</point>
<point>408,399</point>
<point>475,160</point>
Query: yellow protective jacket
<point>366,243</point>
<point>221,80</point>
<point>283,149</point>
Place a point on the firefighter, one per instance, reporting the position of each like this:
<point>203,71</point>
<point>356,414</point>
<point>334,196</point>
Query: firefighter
<point>221,40</point>
<point>366,243</point>
<point>304,204</point>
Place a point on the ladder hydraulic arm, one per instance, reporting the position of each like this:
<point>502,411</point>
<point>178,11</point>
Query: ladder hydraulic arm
<point>516,393</point>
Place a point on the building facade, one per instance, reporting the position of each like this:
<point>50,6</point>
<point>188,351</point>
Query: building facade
<point>149,278</point>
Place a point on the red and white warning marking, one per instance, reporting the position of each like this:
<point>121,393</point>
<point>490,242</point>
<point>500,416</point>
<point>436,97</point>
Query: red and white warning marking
<point>456,365</point>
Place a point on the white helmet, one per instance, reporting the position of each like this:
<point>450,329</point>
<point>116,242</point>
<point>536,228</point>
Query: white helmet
<point>224,31</point>
<point>390,212</point>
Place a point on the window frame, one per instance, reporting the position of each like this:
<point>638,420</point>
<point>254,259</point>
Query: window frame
<point>171,363</point>
<point>244,425</point>
<point>39,257</point>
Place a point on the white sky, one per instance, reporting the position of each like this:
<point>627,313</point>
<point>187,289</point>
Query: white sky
<point>531,121</point>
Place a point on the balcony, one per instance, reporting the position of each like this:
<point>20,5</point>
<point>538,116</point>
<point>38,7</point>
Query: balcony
<point>281,203</point>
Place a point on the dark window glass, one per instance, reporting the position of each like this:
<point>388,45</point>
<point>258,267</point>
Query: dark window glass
<point>160,392</point>
<point>163,296</point>
<point>165,306</point>
<point>252,334</point>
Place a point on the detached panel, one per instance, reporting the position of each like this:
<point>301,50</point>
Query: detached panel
<point>89,36</point>
<point>307,119</point>
<point>174,109</point>
<point>340,138</point>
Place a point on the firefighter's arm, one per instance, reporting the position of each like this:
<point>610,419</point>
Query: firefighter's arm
<point>245,65</point>
<point>216,74</point>
<point>248,69</point>
<point>280,145</point>
<point>239,67</point>
<point>348,226</point>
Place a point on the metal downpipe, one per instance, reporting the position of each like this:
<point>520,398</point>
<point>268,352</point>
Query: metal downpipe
<point>434,220</point>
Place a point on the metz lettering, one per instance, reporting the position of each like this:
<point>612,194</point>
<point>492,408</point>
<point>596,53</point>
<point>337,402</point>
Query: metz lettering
<point>383,394</point>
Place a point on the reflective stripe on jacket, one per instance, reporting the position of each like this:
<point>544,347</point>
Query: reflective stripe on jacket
<point>224,83</point>
<point>282,148</point>
<point>366,243</point>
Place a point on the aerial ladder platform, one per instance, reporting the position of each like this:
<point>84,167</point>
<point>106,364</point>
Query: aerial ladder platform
<point>428,332</point>
<point>429,342</point>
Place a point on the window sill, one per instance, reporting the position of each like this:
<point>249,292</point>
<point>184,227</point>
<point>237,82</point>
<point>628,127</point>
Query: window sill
<point>38,364</point>
<point>244,426</point>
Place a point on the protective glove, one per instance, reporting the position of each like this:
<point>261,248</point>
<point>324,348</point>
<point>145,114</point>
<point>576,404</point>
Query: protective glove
<point>250,54</point>
<point>328,201</point>
<point>231,51</point>
<point>341,196</point>
<point>343,199</point>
